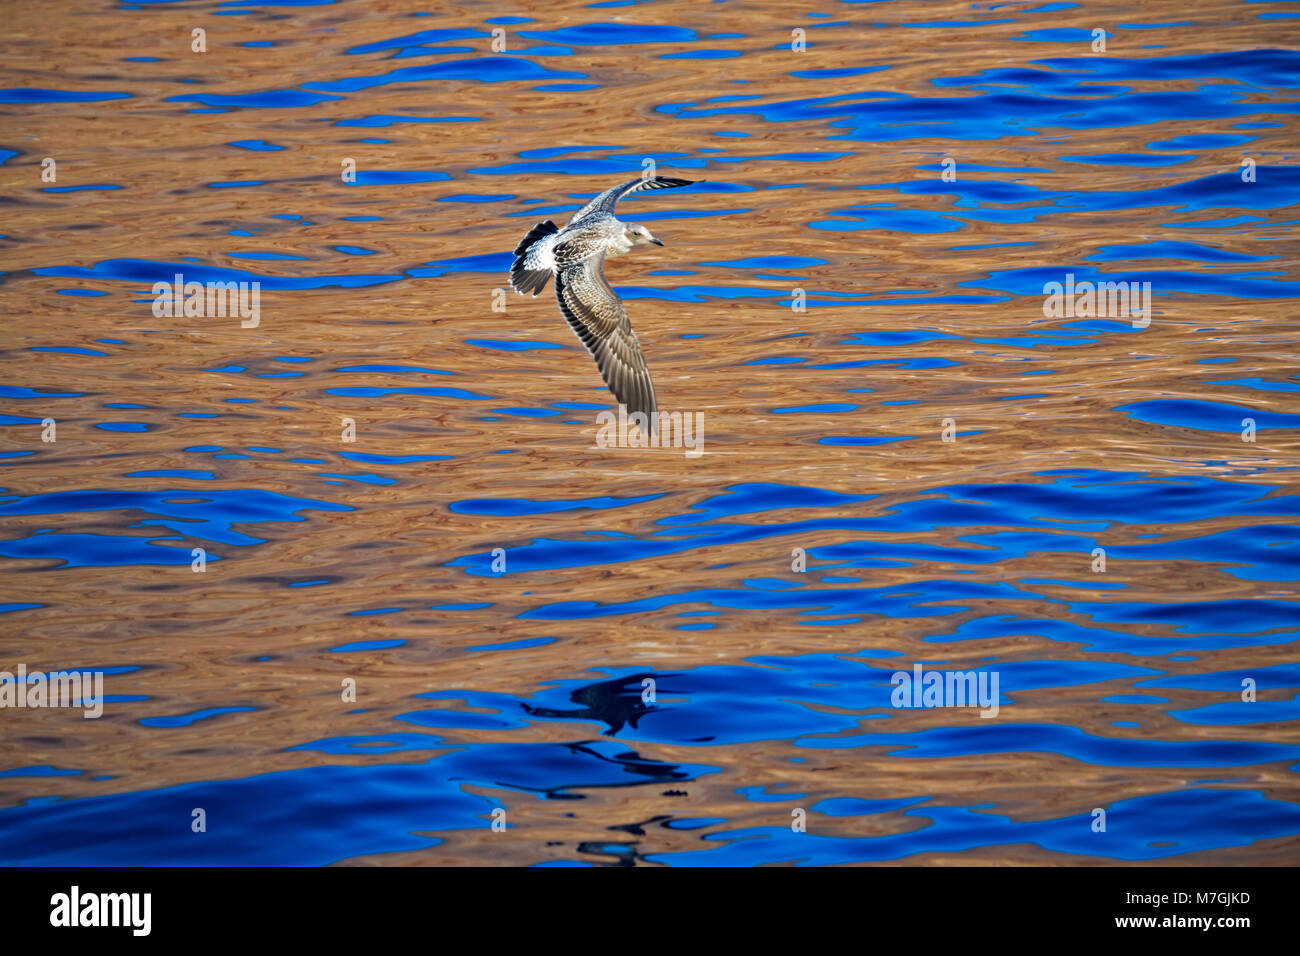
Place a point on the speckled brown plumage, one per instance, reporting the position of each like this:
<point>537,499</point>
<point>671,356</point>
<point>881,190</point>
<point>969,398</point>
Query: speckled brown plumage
<point>576,256</point>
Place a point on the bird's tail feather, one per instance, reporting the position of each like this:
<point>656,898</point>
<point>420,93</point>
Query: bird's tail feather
<point>523,278</point>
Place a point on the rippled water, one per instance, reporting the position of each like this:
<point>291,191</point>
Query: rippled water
<point>829,175</point>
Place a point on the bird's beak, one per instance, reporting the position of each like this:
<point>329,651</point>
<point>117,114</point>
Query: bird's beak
<point>656,241</point>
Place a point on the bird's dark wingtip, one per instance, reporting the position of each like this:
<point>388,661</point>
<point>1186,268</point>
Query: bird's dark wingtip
<point>673,181</point>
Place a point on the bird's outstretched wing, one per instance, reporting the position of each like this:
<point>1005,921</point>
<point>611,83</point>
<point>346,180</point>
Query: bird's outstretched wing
<point>598,317</point>
<point>606,200</point>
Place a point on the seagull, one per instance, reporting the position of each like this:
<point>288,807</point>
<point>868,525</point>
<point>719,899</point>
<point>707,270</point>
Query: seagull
<point>576,256</point>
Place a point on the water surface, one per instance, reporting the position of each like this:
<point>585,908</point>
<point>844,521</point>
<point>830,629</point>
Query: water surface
<point>481,687</point>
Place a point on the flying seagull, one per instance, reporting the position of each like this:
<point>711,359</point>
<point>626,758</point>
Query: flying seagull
<point>576,256</point>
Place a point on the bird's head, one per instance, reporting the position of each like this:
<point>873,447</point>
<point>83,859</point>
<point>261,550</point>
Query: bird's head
<point>640,236</point>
